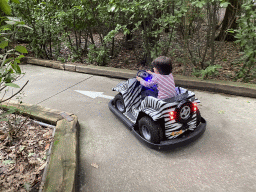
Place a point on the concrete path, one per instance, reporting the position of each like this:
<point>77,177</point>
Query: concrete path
<point>112,159</point>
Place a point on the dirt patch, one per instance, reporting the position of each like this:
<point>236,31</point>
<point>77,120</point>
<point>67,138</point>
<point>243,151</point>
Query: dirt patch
<point>24,145</point>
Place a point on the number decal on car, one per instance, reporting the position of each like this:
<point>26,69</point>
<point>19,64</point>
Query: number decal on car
<point>176,133</point>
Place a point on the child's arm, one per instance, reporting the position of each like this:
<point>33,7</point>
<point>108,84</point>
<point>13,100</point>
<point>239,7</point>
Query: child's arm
<point>149,83</point>
<point>139,78</point>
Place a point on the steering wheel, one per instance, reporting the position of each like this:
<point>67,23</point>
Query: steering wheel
<point>144,75</point>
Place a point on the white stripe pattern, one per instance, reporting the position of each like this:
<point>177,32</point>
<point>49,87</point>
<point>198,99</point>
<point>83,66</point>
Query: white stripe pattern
<point>154,107</point>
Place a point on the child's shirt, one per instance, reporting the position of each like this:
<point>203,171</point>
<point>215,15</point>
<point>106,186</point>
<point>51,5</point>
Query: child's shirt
<point>165,85</point>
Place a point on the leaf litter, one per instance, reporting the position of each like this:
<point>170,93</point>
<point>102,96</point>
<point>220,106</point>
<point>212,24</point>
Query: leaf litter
<point>23,156</point>
<point>95,165</point>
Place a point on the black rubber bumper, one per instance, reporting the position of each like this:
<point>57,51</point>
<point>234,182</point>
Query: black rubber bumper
<point>164,145</point>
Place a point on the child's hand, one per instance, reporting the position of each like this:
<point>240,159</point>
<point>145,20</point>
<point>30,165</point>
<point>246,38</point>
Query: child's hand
<point>138,78</point>
<point>150,72</point>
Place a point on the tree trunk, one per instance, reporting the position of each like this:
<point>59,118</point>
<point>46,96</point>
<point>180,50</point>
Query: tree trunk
<point>229,21</point>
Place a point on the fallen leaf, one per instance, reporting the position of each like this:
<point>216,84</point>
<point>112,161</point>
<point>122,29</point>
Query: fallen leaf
<point>33,161</point>
<point>47,134</point>
<point>7,162</point>
<point>41,142</point>
<point>21,168</point>
<point>47,146</point>
<point>22,147</point>
<point>42,167</point>
<point>1,132</point>
<point>221,112</point>
<point>95,165</point>
<point>27,186</point>
<point>10,169</point>
<point>3,137</point>
<point>40,160</point>
<point>45,157</point>
<point>31,154</point>
<point>3,170</point>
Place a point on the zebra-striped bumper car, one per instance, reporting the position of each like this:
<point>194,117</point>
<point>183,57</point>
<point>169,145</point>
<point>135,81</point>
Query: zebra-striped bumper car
<point>160,124</point>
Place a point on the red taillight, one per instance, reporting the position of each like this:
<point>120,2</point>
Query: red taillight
<point>195,108</point>
<point>172,115</point>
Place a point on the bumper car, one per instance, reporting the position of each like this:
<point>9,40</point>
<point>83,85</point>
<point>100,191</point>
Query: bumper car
<point>159,124</point>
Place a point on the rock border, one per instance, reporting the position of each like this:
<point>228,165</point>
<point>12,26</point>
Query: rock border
<point>61,170</point>
<point>232,88</point>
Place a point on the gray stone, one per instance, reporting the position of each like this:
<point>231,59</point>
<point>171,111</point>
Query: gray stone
<point>70,67</point>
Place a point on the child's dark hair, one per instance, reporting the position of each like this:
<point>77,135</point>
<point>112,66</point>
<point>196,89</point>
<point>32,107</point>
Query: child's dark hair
<point>163,65</point>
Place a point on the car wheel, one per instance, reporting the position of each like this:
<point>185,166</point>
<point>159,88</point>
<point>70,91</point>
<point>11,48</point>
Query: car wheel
<point>119,103</point>
<point>150,130</point>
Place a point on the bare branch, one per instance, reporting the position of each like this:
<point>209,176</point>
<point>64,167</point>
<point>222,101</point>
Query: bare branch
<point>15,93</point>
<point>3,88</point>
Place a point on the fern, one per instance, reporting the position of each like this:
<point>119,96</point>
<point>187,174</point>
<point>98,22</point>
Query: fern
<point>210,71</point>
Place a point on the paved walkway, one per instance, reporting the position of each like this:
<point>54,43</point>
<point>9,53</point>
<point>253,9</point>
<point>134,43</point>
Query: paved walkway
<point>112,159</point>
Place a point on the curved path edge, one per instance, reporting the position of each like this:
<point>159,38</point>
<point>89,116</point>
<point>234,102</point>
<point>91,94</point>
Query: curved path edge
<point>61,169</point>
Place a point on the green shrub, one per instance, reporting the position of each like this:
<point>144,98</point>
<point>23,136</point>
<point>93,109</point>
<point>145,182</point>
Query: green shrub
<point>246,37</point>
<point>210,71</point>
<point>98,55</point>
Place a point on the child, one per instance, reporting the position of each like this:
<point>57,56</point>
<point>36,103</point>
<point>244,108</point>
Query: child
<point>162,77</point>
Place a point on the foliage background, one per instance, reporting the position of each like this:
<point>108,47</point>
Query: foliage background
<point>191,32</point>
